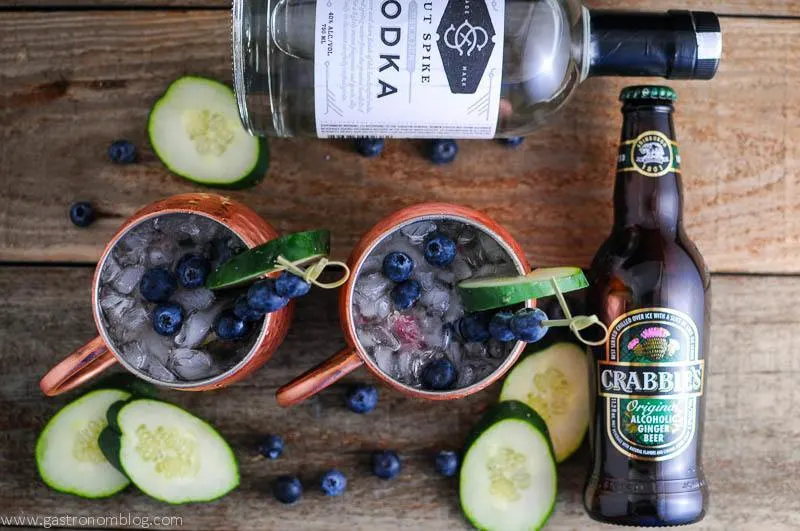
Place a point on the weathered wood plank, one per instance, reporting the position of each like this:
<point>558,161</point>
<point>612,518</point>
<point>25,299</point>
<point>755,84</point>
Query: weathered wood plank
<point>729,7</point>
<point>76,81</point>
<point>751,453</point>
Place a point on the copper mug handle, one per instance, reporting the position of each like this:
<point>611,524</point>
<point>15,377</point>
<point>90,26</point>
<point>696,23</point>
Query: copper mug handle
<point>318,378</point>
<point>83,364</point>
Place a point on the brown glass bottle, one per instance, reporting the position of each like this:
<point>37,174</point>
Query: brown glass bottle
<point>649,285</point>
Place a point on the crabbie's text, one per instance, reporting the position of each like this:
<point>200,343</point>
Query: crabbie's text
<point>650,380</point>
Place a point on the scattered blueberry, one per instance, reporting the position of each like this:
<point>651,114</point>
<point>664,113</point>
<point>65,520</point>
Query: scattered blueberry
<point>440,251</point>
<point>386,464</point>
<point>512,141</point>
<point>369,147</point>
<point>474,328</point>
<point>157,285</point>
<point>438,375</point>
<point>262,297</point>
<point>230,327</point>
<point>271,447</point>
<point>527,324</point>
<point>243,311</point>
<point>291,286</point>
<point>446,463</point>
<point>500,326</point>
<point>81,214</point>
<point>192,270</point>
<point>122,152</point>
<point>167,318</point>
<point>362,398</point>
<point>397,266</point>
<point>442,151</point>
<point>406,294</point>
<point>287,489</point>
<point>333,483</point>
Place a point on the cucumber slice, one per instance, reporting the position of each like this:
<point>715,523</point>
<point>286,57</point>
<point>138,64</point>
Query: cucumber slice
<point>195,130</point>
<point>259,261</point>
<point>173,456</point>
<point>490,293</point>
<point>555,383</point>
<point>508,477</point>
<point>67,453</point>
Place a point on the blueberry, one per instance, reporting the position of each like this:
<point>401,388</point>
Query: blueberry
<point>442,151</point>
<point>446,463</point>
<point>438,375</point>
<point>81,214</point>
<point>406,294</point>
<point>500,326</point>
<point>362,398</point>
<point>386,464</point>
<point>271,447</point>
<point>474,328</point>
<point>167,318</point>
<point>369,147</point>
<point>243,311</point>
<point>287,489</point>
<point>440,251</point>
<point>192,270</point>
<point>157,285</point>
<point>512,141</point>
<point>527,324</point>
<point>122,152</point>
<point>262,297</point>
<point>397,266</point>
<point>230,327</point>
<point>333,483</point>
<point>291,286</point>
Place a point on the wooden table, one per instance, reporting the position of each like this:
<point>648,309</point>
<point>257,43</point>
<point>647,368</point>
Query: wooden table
<point>78,74</point>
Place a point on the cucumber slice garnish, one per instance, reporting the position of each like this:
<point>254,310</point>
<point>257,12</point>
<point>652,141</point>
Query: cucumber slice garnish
<point>195,130</point>
<point>489,293</point>
<point>508,476</point>
<point>554,382</point>
<point>300,247</point>
<point>170,454</point>
<point>68,456</point>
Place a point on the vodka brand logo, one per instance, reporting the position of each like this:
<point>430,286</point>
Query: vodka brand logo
<point>650,382</point>
<point>651,154</point>
<point>465,38</point>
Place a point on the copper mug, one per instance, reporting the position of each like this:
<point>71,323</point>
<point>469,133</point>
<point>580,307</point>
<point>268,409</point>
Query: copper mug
<point>355,355</point>
<point>101,353</point>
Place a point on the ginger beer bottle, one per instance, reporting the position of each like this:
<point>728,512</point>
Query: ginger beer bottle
<point>649,285</point>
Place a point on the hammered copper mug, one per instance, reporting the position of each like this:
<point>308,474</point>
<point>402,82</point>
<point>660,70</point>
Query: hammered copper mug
<point>354,355</point>
<point>100,353</point>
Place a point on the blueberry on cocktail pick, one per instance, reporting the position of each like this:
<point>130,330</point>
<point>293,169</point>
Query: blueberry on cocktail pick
<point>263,297</point>
<point>230,327</point>
<point>500,326</point>
<point>527,324</point>
<point>244,311</point>
<point>291,286</point>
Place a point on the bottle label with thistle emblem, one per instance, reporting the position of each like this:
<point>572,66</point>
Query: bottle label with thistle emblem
<point>650,382</point>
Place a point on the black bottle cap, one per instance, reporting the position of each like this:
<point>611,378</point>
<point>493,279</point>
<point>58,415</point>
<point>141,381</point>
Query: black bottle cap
<point>673,45</point>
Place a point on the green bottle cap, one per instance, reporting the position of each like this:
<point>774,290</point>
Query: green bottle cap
<point>647,93</point>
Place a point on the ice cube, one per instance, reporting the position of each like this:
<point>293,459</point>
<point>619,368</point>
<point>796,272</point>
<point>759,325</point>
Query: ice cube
<point>179,226</point>
<point>461,269</point>
<point>373,309</point>
<point>197,326</point>
<point>130,250</point>
<point>154,345</point>
<point>436,300</point>
<point>194,299</point>
<point>418,231</point>
<point>162,252</point>
<point>425,279</point>
<point>451,228</point>
<point>372,264</point>
<point>127,279</point>
<point>445,276</point>
<point>486,270</point>
<point>476,351</point>
<point>114,306</point>
<point>436,334</point>
<point>493,251</point>
<point>110,269</point>
<point>466,376</point>
<point>466,236</point>
<point>409,366</point>
<point>483,369</point>
<point>157,370</point>
<point>455,312</point>
<point>134,354</point>
<point>378,336</point>
<point>133,322</point>
<point>190,364</point>
<point>497,349</point>
<point>405,328</point>
<point>455,354</point>
<point>223,249</point>
<point>373,285</point>
<point>385,359</point>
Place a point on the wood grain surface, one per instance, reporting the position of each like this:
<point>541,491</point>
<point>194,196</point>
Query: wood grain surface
<point>730,7</point>
<point>751,453</point>
<point>77,81</point>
